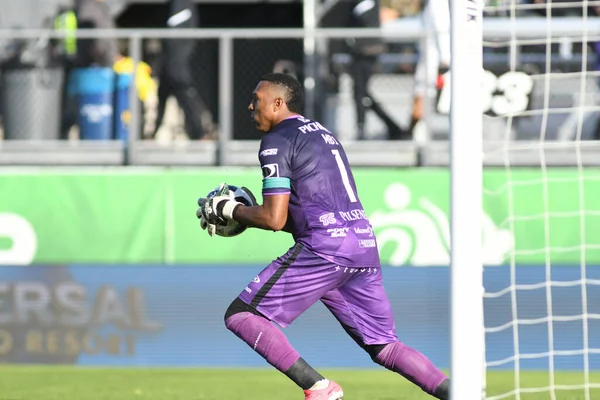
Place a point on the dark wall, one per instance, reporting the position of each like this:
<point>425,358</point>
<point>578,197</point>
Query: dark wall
<point>252,58</point>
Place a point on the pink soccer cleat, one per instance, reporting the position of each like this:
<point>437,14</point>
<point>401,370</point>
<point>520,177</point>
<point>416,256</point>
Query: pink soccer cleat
<point>333,391</point>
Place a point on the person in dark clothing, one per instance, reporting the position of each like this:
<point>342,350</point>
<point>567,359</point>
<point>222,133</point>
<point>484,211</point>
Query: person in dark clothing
<point>364,51</point>
<point>83,53</point>
<point>365,14</point>
<point>103,52</point>
<point>175,77</point>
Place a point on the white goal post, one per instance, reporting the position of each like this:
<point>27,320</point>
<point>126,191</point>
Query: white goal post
<point>467,341</point>
<point>467,162</point>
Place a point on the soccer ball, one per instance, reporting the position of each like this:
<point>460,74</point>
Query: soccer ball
<point>239,193</point>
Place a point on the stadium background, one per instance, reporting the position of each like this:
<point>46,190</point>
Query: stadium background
<point>104,263</point>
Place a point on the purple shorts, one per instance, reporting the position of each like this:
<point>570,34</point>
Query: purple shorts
<point>355,296</point>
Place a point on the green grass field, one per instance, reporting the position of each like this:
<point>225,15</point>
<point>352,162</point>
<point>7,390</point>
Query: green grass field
<point>86,383</point>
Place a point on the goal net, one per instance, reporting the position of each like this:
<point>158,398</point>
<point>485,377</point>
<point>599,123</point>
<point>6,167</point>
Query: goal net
<point>542,184</point>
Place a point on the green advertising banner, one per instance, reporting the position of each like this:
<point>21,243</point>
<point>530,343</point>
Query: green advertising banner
<point>132,215</point>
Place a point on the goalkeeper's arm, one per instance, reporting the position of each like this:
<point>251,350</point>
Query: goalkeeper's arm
<point>272,215</point>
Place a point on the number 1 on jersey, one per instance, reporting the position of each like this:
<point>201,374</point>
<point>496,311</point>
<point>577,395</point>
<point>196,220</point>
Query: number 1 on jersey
<point>344,173</point>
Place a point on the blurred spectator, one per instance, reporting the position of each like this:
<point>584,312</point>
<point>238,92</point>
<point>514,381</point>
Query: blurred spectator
<point>434,49</point>
<point>364,52</point>
<point>66,52</point>
<point>101,52</point>
<point>95,52</point>
<point>66,48</point>
<point>175,77</point>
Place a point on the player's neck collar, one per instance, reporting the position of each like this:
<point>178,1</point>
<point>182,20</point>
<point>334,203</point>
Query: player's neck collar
<point>295,116</point>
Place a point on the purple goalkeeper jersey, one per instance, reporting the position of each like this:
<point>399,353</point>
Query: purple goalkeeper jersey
<point>302,158</point>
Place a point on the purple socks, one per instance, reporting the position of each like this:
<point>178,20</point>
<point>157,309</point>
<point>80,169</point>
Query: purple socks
<point>265,338</point>
<point>268,341</point>
<point>412,365</point>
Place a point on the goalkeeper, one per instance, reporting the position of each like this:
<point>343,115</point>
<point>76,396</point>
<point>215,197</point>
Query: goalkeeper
<point>309,191</point>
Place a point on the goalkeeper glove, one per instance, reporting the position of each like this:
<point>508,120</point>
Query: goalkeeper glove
<point>210,228</point>
<point>217,210</point>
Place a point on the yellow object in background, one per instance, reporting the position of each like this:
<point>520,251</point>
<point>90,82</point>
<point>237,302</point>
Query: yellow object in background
<point>143,75</point>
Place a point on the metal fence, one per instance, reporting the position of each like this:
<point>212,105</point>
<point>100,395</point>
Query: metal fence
<point>228,63</point>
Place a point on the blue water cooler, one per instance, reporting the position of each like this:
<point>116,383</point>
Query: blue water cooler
<point>95,94</point>
<point>122,108</point>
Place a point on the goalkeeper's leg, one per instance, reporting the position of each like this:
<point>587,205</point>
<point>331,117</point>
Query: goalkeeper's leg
<point>363,309</point>
<point>270,342</point>
<point>273,295</point>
